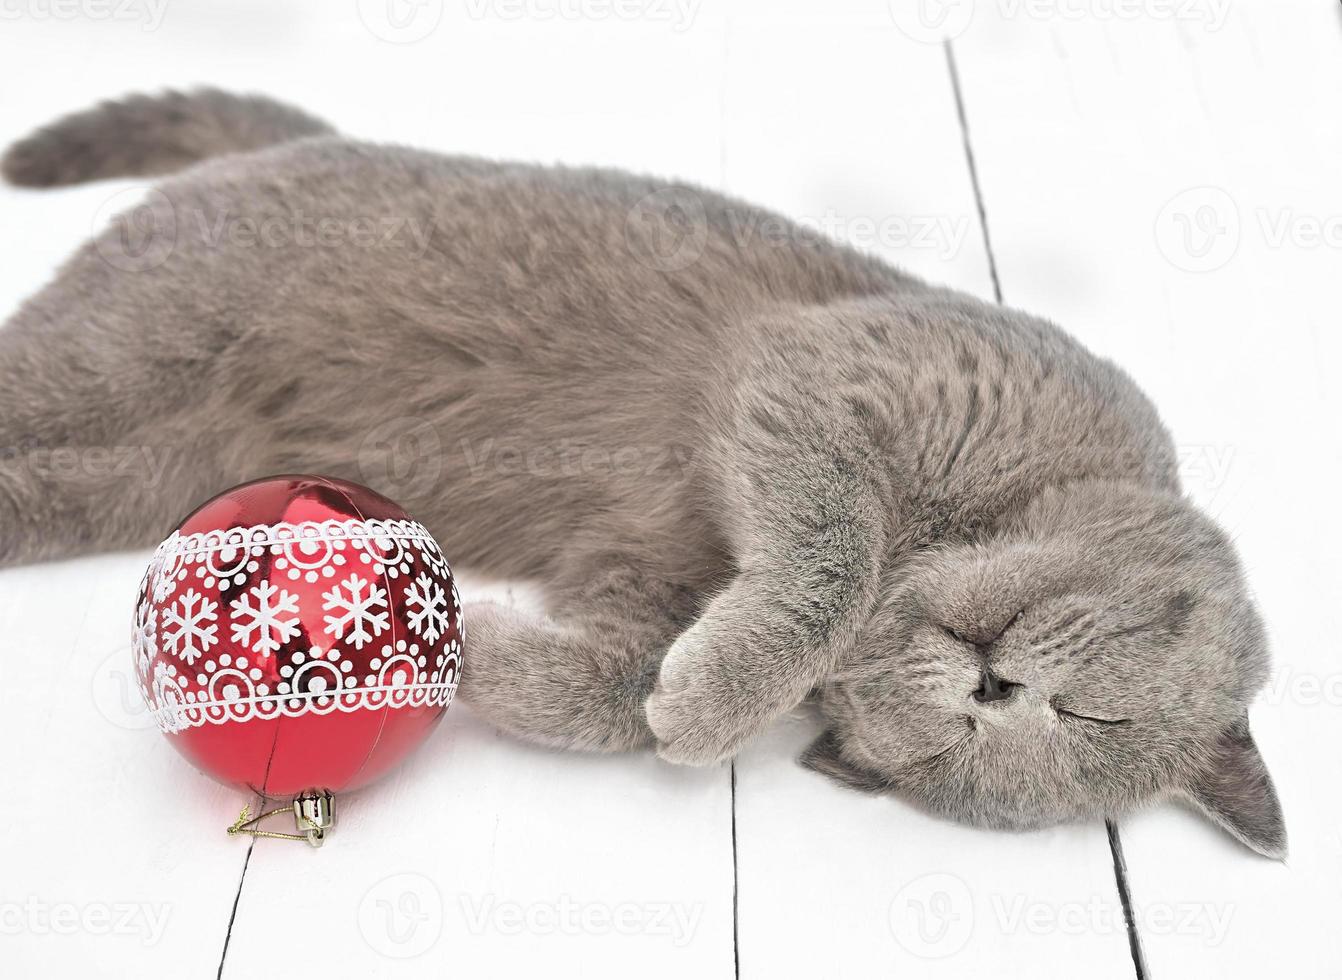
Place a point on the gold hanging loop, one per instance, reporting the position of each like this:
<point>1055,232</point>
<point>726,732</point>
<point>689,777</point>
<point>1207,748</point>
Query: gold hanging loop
<point>314,815</point>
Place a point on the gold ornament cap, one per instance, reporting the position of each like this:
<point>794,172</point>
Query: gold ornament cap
<point>314,816</point>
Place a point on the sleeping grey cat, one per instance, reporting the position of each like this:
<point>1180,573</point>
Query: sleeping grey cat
<point>748,466</point>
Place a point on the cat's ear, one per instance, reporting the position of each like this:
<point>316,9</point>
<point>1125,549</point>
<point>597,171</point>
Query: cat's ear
<point>1236,791</point>
<point>824,757</point>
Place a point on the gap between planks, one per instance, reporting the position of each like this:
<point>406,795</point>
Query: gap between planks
<point>1111,827</point>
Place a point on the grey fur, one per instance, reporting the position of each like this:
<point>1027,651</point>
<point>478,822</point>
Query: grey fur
<point>790,469</point>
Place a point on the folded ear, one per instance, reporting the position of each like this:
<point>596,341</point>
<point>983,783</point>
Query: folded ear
<point>1237,793</point>
<point>824,757</point>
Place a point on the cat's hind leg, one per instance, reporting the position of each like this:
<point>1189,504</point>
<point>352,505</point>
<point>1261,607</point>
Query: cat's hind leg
<point>110,435</point>
<point>88,461</point>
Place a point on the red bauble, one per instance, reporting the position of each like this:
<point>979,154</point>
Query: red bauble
<point>298,633</point>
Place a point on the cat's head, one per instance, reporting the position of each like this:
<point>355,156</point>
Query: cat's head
<point>1098,653</point>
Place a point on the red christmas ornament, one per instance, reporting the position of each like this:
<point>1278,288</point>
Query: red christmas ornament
<point>298,634</point>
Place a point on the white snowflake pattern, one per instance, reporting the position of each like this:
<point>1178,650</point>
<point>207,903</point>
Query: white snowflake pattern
<point>357,611</point>
<point>432,619</point>
<point>142,639</point>
<point>191,624</point>
<point>264,618</point>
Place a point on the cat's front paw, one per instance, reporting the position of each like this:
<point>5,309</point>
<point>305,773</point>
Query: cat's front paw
<point>703,709</point>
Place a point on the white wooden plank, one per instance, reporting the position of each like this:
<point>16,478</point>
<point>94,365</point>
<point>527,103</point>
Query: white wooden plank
<point>850,116</point>
<point>100,815</point>
<point>878,888</point>
<point>1121,118</point>
<point>110,844</point>
<point>488,858</point>
<point>839,121</point>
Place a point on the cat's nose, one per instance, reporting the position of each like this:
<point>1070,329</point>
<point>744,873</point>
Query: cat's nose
<point>993,688</point>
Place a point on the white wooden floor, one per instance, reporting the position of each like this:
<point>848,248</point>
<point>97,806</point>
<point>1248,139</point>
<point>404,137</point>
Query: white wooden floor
<point>1161,178</point>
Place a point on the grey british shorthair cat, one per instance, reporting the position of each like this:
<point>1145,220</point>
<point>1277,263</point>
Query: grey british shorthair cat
<point>748,469</point>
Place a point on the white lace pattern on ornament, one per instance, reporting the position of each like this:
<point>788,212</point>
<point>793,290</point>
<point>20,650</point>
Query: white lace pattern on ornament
<point>186,683</point>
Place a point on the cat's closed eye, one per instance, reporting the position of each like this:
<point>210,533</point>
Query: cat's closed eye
<point>1071,715</point>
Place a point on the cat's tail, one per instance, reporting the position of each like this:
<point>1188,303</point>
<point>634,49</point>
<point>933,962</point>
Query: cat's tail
<point>147,135</point>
